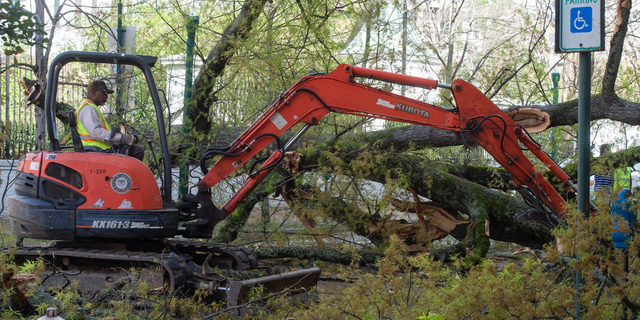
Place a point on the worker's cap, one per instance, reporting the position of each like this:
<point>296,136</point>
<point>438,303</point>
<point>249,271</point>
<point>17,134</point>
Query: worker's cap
<point>99,85</point>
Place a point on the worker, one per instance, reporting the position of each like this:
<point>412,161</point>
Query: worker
<point>603,182</point>
<point>95,132</point>
<point>622,177</point>
<point>603,185</point>
<point>607,183</point>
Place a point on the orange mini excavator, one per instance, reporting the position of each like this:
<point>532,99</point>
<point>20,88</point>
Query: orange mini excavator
<point>100,201</point>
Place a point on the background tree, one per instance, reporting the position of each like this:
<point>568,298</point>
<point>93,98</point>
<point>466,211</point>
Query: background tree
<point>19,28</point>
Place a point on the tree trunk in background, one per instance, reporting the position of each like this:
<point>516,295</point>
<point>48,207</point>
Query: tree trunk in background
<point>41,74</point>
<point>225,48</point>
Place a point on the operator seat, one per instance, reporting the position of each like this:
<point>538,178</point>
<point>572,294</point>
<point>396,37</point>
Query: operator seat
<point>75,137</point>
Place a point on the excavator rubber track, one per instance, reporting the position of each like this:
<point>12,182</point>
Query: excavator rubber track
<point>168,264</point>
<point>243,258</point>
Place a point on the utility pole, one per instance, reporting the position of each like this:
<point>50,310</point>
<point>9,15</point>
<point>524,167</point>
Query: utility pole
<point>404,42</point>
<point>119,84</point>
<point>192,22</point>
<point>41,76</point>
<point>555,78</point>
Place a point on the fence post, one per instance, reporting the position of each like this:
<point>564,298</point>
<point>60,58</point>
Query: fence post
<point>41,75</point>
<point>6,110</point>
<point>192,26</point>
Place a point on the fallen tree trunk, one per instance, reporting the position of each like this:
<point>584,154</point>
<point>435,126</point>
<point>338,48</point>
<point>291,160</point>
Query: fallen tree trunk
<point>451,193</point>
<point>532,119</point>
<point>332,256</point>
<point>464,199</point>
<point>32,91</point>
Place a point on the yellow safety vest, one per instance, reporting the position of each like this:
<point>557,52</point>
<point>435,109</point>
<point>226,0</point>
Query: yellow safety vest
<point>622,178</point>
<point>82,131</point>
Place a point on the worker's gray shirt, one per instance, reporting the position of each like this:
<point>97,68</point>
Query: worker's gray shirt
<point>90,119</point>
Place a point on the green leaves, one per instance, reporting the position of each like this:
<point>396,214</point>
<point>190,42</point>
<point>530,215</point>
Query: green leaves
<point>19,27</point>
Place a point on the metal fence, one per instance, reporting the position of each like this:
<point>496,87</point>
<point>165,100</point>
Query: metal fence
<point>17,120</point>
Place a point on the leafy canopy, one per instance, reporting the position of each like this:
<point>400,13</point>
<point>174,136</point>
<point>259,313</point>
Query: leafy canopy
<point>19,28</point>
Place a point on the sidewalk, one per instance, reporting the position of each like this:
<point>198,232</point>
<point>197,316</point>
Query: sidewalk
<point>7,174</point>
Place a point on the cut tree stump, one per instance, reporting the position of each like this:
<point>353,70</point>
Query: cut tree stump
<point>532,119</point>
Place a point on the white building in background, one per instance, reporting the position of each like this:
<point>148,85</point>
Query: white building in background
<point>176,70</point>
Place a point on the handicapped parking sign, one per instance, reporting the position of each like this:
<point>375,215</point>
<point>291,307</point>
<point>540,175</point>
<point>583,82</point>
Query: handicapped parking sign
<point>579,25</point>
<point>581,19</point>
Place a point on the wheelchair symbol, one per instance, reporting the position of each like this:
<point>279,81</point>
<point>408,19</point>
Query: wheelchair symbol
<point>579,22</point>
<point>581,19</point>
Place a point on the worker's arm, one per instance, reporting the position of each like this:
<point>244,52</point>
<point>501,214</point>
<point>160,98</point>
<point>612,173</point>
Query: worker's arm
<point>90,118</point>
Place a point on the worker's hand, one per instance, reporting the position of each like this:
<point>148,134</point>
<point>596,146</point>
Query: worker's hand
<point>127,139</point>
<point>136,139</point>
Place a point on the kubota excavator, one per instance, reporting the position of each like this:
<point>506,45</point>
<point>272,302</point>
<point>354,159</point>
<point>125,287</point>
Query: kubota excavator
<point>108,209</point>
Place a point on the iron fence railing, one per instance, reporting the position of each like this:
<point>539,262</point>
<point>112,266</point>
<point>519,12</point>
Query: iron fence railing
<point>17,120</point>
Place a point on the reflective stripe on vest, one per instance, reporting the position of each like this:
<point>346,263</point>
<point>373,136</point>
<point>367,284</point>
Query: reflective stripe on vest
<point>84,133</point>
<point>623,178</point>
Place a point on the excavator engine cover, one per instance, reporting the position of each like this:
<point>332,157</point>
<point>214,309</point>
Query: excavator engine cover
<point>73,196</point>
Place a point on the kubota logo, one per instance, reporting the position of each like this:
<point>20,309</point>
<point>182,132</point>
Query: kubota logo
<point>410,109</point>
<point>403,107</point>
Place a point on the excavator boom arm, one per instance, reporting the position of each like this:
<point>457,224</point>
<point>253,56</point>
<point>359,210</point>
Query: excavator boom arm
<point>312,97</point>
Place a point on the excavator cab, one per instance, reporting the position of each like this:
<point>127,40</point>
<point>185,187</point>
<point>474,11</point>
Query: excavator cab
<point>68,193</point>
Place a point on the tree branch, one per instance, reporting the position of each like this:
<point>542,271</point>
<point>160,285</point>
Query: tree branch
<point>616,49</point>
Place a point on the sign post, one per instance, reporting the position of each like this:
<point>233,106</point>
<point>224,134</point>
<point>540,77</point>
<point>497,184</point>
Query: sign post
<point>580,28</point>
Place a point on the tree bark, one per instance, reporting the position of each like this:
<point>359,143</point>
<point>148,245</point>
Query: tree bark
<point>231,40</point>
<point>449,192</point>
<point>41,74</point>
<point>616,47</point>
<point>332,256</point>
<point>238,218</point>
<point>62,109</point>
